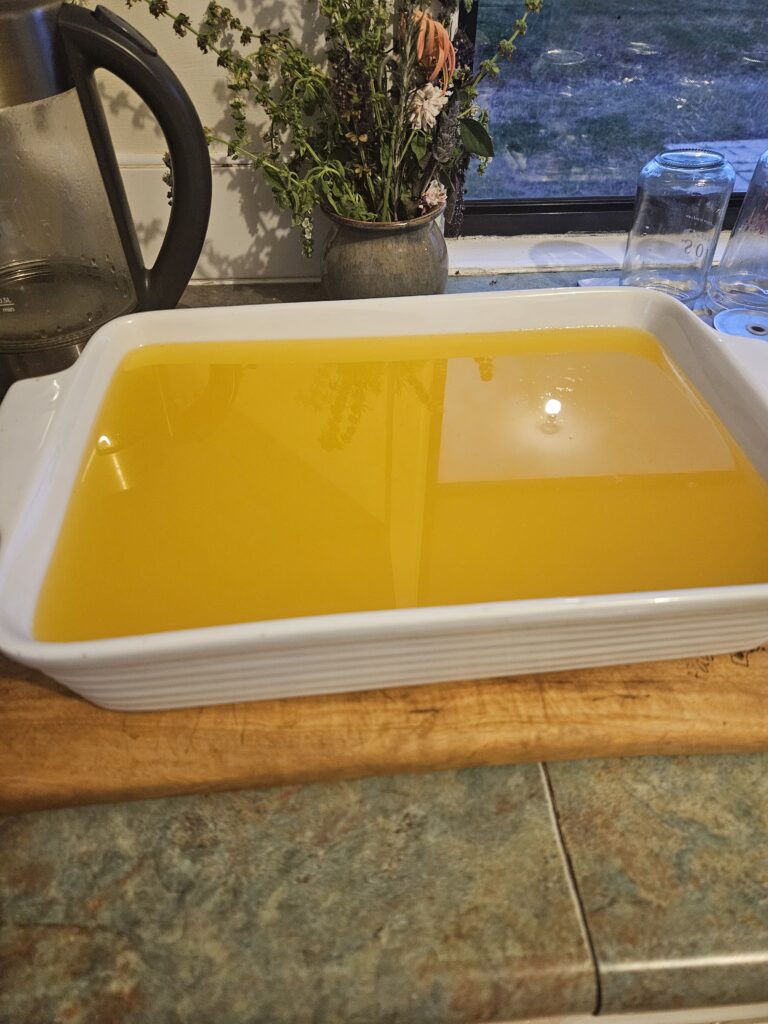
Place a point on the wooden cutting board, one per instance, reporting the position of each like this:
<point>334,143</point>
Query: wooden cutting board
<point>56,749</point>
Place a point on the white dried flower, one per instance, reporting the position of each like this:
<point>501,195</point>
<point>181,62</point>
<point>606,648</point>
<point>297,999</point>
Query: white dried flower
<point>425,106</point>
<point>434,195</point>
<point>307,235</point>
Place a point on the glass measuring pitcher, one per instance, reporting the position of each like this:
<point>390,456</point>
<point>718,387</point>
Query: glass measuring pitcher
<point>69,257</point>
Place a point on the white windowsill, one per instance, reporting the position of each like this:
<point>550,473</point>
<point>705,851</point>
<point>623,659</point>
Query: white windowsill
<point>530,254</point>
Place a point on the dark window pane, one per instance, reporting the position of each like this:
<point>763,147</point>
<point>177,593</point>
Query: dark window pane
<point>598,86</point>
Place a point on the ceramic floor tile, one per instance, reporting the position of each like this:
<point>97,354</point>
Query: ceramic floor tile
<point>671,861</point>
<point>427,898</point>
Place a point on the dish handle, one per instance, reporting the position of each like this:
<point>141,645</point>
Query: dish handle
<point>26,414</point>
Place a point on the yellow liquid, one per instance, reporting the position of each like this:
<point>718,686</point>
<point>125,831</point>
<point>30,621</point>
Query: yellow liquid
<point>238,481</point>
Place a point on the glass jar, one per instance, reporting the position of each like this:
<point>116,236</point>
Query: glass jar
<point>741,280</point>
<point>682,196</point>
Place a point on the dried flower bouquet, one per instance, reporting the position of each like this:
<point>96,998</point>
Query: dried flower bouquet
<point>381,130</point>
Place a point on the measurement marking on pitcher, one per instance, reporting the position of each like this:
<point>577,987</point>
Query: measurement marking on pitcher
<point>700,249</point>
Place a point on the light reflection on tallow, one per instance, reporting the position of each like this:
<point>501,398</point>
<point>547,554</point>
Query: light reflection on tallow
<point>570,415</point>
<point>552,409</point>
<point>106,446</point>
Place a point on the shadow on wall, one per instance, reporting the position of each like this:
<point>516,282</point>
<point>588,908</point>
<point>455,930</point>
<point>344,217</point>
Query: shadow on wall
<point>248,237</point>
<point>123,103</point>
<point>151,233</point>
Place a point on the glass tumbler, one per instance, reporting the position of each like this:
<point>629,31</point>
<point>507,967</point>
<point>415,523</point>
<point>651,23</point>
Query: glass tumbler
<point>682,196</point>
<point>742,277</point>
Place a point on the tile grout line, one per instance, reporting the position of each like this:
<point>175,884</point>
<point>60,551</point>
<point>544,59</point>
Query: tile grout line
<point>570,875</point>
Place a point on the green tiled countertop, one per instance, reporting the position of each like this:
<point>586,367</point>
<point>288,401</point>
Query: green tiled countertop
<point>670,857</point>
<point>436,898</point>
<point>489,894</point>
<point>439,898</point>
<point>229,294</point>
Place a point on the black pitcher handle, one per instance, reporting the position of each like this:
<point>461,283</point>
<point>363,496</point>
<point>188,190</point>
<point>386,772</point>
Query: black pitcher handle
<point>100,39</point>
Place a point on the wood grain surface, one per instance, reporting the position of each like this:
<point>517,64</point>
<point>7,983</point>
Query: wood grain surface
<point>57,750</point>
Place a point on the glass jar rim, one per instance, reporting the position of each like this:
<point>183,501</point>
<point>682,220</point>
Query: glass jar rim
<point>691,159</point>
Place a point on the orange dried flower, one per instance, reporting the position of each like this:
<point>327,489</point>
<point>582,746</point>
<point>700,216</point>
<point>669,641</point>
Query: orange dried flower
<point>434,49</point>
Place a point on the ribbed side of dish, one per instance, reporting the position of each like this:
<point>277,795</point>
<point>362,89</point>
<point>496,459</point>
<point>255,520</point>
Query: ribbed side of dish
<point>222,676</point>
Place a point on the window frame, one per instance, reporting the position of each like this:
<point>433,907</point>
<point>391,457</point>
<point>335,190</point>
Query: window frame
<point>550,216</point>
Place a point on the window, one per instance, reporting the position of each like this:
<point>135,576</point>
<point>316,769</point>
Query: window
<point>596,88</point>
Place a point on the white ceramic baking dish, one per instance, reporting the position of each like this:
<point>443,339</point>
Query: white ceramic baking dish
<point>44,425</point>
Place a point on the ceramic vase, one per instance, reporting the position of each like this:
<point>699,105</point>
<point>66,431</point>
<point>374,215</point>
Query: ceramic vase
<point>377,259</point>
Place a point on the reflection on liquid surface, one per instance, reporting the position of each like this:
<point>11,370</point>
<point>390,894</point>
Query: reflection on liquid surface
<point>247,481</point>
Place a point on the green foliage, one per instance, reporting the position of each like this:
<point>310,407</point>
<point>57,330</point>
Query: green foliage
<point>476,139</point>
<point>364,133</point>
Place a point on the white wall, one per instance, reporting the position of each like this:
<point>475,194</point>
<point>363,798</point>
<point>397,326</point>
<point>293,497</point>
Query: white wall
<point>247,237</point>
